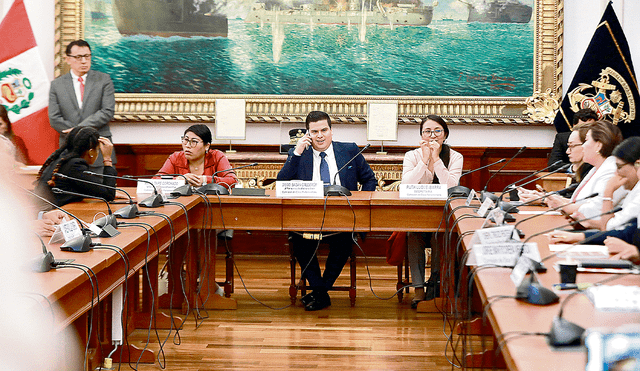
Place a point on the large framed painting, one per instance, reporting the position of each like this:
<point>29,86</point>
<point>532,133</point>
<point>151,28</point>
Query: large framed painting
<point>472,61</point>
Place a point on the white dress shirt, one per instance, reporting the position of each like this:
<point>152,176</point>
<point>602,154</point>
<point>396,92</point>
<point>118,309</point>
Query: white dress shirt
<point>331,161</point>
<point>76,86</point>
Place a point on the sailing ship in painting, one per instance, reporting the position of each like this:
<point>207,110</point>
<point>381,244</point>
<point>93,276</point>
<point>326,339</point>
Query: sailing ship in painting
<point>97,9</point>
<point>498,11</point>
<point>166,18</point>
<point>344,12</point>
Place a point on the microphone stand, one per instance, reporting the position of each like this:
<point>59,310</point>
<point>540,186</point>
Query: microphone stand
<point>127,212</point>
<point>78,244</point>
<point>511,186</point>
<point>464,191</point>
<point>484,191</point>
<point>183,190</point>
<point>339,190</point>
<point>218,189</point>
<point>108,223</point>
<point>153,201</point>
<point>530,289</point>
<point>44,262</point>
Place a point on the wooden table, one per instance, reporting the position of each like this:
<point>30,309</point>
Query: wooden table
<point>70,290</point>
<point>553,182</point>
<point>509,315</point>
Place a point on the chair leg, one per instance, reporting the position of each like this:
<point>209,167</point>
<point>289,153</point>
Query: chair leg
<point>293,291</point>
<point>352,289</point>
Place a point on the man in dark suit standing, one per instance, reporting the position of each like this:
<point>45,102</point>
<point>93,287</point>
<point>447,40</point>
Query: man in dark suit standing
<point>318,157</point>
<point>82,97</point>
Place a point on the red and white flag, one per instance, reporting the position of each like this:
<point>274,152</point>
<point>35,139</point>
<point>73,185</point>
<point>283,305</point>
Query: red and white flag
<point>24,86</point>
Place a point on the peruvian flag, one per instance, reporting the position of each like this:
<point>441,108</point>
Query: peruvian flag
<point>24,86</point>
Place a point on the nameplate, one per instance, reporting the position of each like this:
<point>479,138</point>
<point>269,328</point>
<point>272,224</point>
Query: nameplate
<point>299,189</point>
<point>472,195</point>
<point>504,254</point>
<point>423,191</point>
<point>70,229</point>
<point>164,186</point>
<point>485,207</point>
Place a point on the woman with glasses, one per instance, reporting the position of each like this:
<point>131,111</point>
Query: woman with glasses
<point>434,162</point>
<point>198,162</point>
<point>622,236</point>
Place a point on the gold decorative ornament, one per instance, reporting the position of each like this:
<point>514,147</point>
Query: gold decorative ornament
<point>542,106</point>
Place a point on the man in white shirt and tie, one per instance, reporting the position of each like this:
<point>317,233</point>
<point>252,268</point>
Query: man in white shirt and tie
<point>82,97</point>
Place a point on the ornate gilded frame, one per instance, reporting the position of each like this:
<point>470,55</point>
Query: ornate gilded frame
<point>548,18</point>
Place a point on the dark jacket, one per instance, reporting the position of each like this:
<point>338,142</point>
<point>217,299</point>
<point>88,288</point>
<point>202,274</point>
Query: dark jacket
<point>358,171</point>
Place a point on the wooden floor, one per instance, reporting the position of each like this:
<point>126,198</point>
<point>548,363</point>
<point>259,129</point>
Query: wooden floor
<point>374,335</point>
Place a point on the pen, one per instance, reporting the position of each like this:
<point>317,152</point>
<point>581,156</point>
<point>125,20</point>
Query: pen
<point>571,286</point>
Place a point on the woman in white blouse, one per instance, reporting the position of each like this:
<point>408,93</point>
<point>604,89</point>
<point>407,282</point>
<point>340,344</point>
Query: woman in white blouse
<point>433,162</point>
<point>600,141</point>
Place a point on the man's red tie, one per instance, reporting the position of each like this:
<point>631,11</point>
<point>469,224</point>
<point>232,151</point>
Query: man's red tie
<point>81,81</point>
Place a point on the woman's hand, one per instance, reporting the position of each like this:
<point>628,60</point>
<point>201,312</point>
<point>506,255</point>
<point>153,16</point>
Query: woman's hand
<point>554,201</point>
<point>614,183</point>
<point>527,195</point>
<point>622,249</point>
<point>559,236</point>
<point>195,180</point>
<point>426,151</point>
<point>106,147</point>
<point>435,148</point>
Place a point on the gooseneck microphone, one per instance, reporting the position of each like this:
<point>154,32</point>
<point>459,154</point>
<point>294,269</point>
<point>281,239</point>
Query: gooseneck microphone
<point>183,190</point>
<point>530,290</point>
<point>338,190</point>
<point>155,200</point>
<point>218,189</point>
<point>503,166</point>
<point>78,244</point>
<point>127,212</point>
<point>508,207</point>
<point>42,263</point>
<point>532,175</point>
<point>107,223</point>
<point>462,191</point>
<point>554,209</point>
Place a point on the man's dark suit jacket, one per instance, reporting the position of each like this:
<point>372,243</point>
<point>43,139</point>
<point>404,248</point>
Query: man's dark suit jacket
<point>98,104</point>
<point>559,150</point>
<point>358,171</point>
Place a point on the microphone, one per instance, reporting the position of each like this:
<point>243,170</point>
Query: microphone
<point>42,263</point>
<point>484,190</point>
<point>107,223</point>
<point>553,209</point>
<point>531,175</point>
<point>218,189</point>
<point>155,200</point>
<point>566,333</point>
<point>508,207</point>
<point>78,244</point>
<point>530,290</point>
<point>127,212</point>
<point>183,190</point>
<point>338,190</point>
<point>462,191</point>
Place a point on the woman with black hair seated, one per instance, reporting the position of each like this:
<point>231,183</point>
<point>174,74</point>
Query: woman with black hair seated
<point>434,162</point>
<point>81,149</point>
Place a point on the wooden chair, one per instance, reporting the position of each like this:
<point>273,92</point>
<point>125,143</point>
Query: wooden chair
<point>293,291</point>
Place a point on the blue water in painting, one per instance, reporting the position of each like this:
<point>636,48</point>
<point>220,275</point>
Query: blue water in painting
<point>446,58</point>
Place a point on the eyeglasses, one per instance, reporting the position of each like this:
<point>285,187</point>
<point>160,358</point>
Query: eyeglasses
<point>570,147</point>
<point>190,142</point>
<point>428,132</point>
<point>620,166</point>
<point>80,57</point>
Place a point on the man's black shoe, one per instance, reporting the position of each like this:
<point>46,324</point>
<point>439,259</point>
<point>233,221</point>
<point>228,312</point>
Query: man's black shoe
<point>321,301</point>
<point>305,300</point>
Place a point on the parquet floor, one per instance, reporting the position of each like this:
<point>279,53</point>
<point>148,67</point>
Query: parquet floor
<point>268,335</point>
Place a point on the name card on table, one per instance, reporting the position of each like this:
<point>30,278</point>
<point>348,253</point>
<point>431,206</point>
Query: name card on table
<point>487,204</point>
<point>504,254</point>
<point>164,186</point>
<point>423,191</point>
<point>299,189</point>
<point>491,236</point>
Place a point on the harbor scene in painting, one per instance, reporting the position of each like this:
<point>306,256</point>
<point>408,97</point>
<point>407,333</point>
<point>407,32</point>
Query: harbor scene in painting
<point>314,47</point>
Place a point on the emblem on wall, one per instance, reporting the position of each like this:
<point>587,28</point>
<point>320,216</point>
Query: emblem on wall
<point>15,89</point>
<point>610,96</point>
